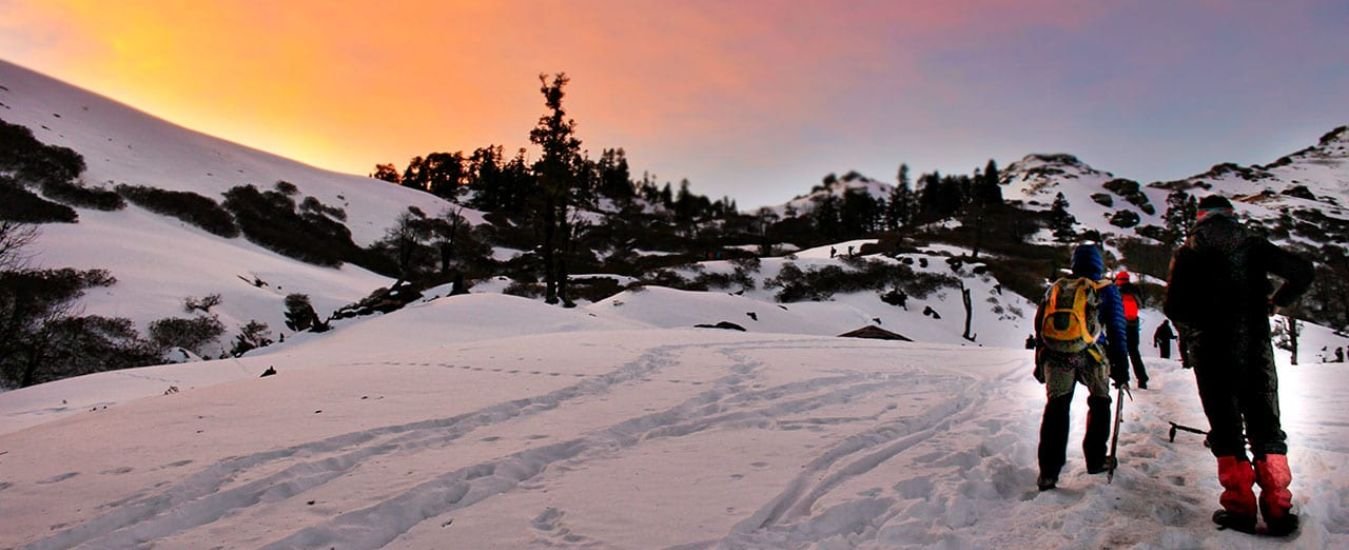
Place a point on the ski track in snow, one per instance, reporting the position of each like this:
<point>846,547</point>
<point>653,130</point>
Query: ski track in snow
<point>208,495</point>
<point>825,500</point>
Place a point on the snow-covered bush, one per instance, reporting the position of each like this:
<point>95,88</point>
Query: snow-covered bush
<point>75,194</point>
<point>300,314</point>
<point>269,218</point>
<point>44,339</point>
<point>524,289</point>
<point>184,205</point>
<point>311,204</point>
<point>251,336</point>
<point>21,205</point>
<point>822,283</point>
<point>189,333</point>
<point>32,161</point>
<point>202,304</point>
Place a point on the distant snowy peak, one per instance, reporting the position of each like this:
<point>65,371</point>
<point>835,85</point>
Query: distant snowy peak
<point>1038,176</point>
<point>1096,198</point>
<point>1316,177</point>
<point>837,188</point>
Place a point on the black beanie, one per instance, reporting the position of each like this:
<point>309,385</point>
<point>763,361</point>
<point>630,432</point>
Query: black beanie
<point>1214,201</point>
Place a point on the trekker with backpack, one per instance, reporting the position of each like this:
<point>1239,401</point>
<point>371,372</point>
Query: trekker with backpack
<point>1220,298</point>
<point>1161,339</point>
<point>1132,300</point>
<point>1079,327</point>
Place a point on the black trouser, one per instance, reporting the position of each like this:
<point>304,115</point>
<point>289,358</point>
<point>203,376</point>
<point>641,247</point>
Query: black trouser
<point>1164,347</point>
<point>1140,372</point>
<point>1239,385</point>
<point>1054,424</point>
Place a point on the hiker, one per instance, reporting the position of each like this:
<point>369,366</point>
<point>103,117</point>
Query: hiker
<point>1030,342</point>
<point>832,252</point>
<point>1219,295</point>
<point>1079,329</point>
<point>1161,339</point>
<point>1133,301</point>
<point>1339,355</point>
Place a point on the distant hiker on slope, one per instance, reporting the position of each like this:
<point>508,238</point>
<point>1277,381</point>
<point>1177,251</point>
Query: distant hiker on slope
<point>1080,330</point>
<point>1133,301</point>
<point>1220,297</point>
<point>1161,339</point>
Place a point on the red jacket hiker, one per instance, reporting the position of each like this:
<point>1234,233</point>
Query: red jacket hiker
<point>1132,299</point>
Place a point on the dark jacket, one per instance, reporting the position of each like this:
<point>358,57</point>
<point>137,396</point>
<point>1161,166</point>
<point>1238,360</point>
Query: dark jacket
<point>1163,335</point>
<point>1219,280</point>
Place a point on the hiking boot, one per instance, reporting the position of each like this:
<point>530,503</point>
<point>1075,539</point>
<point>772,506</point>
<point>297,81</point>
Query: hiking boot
<point>1106,465</point>
<point>1276,501</point>
<point>1142,384</point>
<point>1283,527</point>
<point>1234,521</point>
<point>1238,500</point>
<point>1046,483</point>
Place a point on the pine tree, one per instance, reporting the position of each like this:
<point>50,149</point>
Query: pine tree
<point>986,190</point>
<point>1060,220</point>
<point>387,172</point>
<point>826,217</point>
<point>1181,208</point>
<point>858,213</point>
<point>414,175</point>
<point>899,209</point>
<point>486,177</point>
<point>444,174</point>
<point>615,179</point>
<point>555,134</point>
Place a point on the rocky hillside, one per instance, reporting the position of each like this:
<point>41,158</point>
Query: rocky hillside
<point>1097,199</point>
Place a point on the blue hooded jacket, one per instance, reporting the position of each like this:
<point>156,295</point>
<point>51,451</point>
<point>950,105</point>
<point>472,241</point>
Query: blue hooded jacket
<point>1087,262</point>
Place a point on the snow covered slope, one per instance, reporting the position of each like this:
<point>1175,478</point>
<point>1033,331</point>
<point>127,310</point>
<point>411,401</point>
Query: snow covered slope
<point>159,260</point>
<point>1094,196</point>
<point>1311,186</point>
<point>528,425</point>
<point>1322,170</point>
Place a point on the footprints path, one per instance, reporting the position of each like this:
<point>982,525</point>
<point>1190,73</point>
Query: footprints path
<point>743,397</point>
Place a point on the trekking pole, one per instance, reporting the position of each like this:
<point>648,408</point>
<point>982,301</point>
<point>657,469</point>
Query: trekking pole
<point>1114,438</point>
<point>1183,428</point>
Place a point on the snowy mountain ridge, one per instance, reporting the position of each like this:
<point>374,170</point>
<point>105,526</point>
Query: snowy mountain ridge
<point>160,261</point>
<point>838,188</point>
<point>1314,177</point>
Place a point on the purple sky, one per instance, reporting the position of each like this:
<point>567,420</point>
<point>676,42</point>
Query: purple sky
<point>757,100</point>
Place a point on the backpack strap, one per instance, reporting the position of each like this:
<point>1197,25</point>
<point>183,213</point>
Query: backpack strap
<point>1083,285</point>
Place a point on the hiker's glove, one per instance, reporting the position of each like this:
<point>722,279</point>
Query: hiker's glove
<point>1119,369</point>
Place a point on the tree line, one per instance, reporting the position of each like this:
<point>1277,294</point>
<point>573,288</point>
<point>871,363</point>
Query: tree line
<point>553,193</point>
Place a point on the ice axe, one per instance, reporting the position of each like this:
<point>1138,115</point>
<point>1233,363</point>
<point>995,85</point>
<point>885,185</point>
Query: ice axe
<point>1114,438</point>
<point>1182,428</point>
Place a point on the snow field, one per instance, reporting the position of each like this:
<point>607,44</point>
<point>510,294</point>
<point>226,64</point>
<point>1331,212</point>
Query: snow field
<point>639,438</point>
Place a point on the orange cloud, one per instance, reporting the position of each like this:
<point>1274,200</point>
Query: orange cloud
<point>346,84</point>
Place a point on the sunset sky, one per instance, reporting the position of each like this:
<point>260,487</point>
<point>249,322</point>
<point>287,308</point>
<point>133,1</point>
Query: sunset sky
<point>757,100</point>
